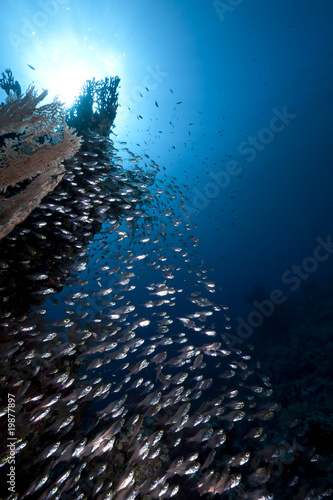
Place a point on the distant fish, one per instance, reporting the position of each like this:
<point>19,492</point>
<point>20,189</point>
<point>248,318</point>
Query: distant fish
<point>31,67</point>
<point>156,104</point>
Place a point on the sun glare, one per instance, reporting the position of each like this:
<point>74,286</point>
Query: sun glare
<point>66,83</point>
<point>67,71</point>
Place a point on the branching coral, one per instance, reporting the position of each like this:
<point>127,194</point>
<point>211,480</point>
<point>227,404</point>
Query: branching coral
<point>36,141</point>
<point>8,84</point>
<point>96,107</point>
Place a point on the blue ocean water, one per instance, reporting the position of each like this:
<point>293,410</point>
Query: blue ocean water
<point>234,68</point>
<point>233,100</point>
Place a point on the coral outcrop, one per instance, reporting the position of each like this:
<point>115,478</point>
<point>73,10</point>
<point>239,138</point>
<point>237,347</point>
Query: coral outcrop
<point>35,142</point>
<point>95,108</point>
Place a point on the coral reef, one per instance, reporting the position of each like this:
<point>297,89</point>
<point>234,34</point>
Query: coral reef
<point>8,84</point>
<point>35,142</point>
<point>96,107</point>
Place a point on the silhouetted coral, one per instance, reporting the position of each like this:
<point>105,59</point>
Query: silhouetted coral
<point>95,109</point>
<point>7,83</point>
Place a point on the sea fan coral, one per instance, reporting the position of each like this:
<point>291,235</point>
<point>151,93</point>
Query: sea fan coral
<point>36,141</point>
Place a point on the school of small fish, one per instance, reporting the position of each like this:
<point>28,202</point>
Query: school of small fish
<point>118,394</point>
